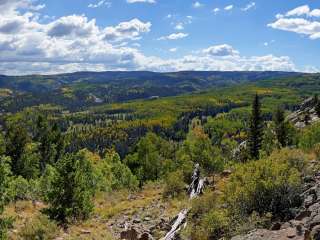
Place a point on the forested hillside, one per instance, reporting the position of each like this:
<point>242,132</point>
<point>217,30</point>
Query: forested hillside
<point>119,168</point>
<point>77,91</point>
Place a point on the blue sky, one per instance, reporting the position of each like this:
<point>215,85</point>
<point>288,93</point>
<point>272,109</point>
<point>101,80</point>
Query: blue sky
<point>53,36</point>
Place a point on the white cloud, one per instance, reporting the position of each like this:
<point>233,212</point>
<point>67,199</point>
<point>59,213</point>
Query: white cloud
<point>303,10</point>
<point>298,25</point>
<point>173,49</point>
<point>249,6</point>
<point>197,5</point>
<point>141,1</point>
<point>8,7</point>
<point>299,11</point>
<point>300,20</point>
<point>179,26</point>
<point>221,50</point>
<point>76,26</point>
<point>216,10</point>
<point>100,4</point>
<point>228,8</point>
<point>174,36</point>
<point>127,30</point>
<point>76,43</point>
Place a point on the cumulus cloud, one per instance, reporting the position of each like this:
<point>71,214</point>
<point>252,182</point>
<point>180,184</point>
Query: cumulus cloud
<point>131,30</point>
<point>75,26</point>
<point>8,7</point>
<point>141,1</point>
<point>174,36</point>
<point>249,6</point>
<point>76,43</point>
<point>221,50</point>
<point>303,10</point>
<point>299,20</point>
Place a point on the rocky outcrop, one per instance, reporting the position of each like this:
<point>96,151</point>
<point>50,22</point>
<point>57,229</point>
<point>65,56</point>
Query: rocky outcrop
<point>306,110</point>
<point>305,225</point>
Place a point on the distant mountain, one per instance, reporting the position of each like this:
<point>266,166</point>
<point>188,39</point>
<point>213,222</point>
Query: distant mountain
<point>90,88</point>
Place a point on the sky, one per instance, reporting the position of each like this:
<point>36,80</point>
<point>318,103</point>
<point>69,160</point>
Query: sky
<point>58,36</point>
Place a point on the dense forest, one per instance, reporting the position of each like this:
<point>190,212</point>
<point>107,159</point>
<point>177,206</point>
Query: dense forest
<point>83,155</point>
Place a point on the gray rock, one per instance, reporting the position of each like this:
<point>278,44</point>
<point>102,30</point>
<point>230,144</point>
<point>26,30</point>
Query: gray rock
<point>303,215</point>
<point>315,233</point>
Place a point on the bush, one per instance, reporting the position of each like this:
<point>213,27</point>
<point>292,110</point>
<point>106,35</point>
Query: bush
<point>174,184</point>
<point>266,186</point>
<point>208,221</point>
<point>39,228</point>
<point>295,158</point>
<point>20,189</point>
<point>122,176</point>
<point>5,175</point>
<point>73,188</point>
<point>310,136</point>
<point>316,150</point>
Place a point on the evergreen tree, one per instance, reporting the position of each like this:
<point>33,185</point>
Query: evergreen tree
<point>281,129</point>
<point>51,142</point>
<point>255,135</point>
<point>16,139</point>
<point>72,189</point>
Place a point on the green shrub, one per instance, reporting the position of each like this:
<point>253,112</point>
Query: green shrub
<point>122,176</point>
<point>73,188</point>
<point>174,184</point>
<point>207,219</point>
<point>39,228</point>
<point>46,182</point>
<point>264,186</point>
<point>295,158</point>
<point>5,177</point>
<point>20,189</point>
<point>316,150</point>
<point>310,136</point>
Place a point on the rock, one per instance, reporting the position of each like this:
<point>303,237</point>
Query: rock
<point>314,207</point>
<point>145,236</point>
<point>291,233</point>
<point>315,233</point>
<point>314,221</point>
<point>84,231</point>
<point>303,215</point>
<point>131,234</point>
<point>147,219</point>
<point>276,226</point>
<point>309,201</point>
<point>137,220</point>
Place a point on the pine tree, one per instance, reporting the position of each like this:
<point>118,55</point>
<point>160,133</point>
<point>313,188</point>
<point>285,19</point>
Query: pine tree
<point>255,135</point>
<point>72,189</point>
<point>280,127</point>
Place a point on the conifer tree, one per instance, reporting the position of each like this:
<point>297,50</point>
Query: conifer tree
<point>255,135</point>
<point>72,189</point>
<point>281,129</point>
